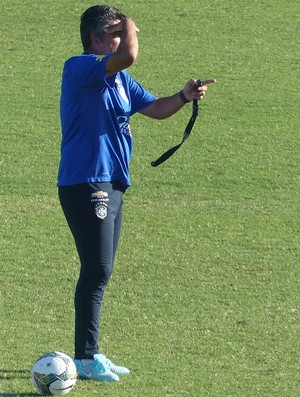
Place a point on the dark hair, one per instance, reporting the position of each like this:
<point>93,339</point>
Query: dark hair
<point>94,19</point>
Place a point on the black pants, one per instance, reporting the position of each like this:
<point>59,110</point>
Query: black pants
<point>94,215</point>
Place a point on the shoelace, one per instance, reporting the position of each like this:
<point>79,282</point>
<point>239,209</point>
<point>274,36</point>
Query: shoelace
<point>106,360</point>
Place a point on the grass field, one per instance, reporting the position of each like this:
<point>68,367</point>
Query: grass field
<point>204,300</point>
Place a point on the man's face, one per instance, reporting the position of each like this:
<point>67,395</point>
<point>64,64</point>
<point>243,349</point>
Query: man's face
<point>112,36</point>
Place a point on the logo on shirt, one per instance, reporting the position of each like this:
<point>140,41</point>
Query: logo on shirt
<point>121,90</point>
<point>124,125</point>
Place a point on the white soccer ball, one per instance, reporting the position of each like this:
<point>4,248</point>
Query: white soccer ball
<point>54,373</point>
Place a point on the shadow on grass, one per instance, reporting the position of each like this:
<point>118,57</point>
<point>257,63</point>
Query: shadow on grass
<point>15,374</point>
<point>10,374</point>
<point>19,394</point>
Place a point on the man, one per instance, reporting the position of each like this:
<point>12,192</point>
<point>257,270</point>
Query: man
<point>97,99</point>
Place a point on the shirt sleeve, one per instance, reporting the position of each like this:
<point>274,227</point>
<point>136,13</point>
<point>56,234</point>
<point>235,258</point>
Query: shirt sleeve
<point>140,97</point>
<point>87,71</point>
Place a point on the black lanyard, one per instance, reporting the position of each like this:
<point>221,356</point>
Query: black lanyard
<point>186,134</point>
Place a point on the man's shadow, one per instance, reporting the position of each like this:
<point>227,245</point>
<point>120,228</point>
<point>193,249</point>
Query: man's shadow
<point>7,374</point>
<point>13,374</point>
<point>4,394</point>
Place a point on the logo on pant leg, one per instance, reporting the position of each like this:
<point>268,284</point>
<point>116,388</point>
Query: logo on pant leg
<point>101,211</point>
<point>100,200</point>
<point>99,195</point>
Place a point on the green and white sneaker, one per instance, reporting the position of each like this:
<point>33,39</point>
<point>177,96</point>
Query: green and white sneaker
<point>96,370</point>
<point>116,369</point>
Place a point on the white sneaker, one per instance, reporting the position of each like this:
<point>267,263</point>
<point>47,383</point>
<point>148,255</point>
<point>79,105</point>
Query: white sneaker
<point>116,369</point>
<point>96,370</point>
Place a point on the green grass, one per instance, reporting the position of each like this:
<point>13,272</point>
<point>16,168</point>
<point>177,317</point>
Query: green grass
<point>204,300</point>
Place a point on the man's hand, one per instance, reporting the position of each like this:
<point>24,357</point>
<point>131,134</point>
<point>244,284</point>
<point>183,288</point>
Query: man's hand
<point>116,26</point>
<point>127,50</point>
<point>193,91</point>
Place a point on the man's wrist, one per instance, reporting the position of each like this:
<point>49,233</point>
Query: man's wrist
<point>183,97</point>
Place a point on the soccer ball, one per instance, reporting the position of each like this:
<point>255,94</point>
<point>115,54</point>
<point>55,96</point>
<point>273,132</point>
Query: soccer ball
<point>54,373</point>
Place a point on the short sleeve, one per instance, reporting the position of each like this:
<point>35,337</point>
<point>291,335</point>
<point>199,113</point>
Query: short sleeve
<point>140,97</point>
<point>87,71</point>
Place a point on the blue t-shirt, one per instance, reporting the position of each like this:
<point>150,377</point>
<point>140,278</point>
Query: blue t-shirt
<point>95,111</point>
